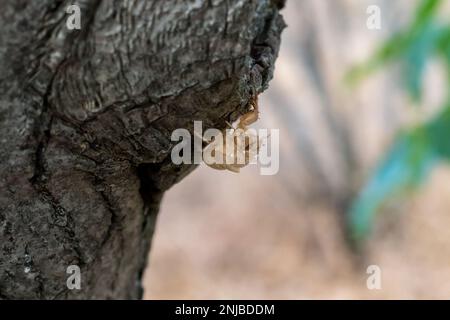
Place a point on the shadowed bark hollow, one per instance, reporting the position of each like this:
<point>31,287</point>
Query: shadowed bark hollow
<point>85,123</point>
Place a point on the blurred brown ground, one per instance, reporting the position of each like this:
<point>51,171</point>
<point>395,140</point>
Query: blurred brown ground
<point>227,236</point>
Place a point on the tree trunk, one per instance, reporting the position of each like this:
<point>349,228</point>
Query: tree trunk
<point>86,118</point>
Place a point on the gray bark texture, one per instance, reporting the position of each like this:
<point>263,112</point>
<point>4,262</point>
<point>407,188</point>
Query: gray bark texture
<point>85,123</point>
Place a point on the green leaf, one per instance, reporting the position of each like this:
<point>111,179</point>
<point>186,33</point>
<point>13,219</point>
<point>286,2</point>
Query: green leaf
<point>438,133</point>
<point>416,152</point>
<point>420,51</point>
<point>392,49</point>
<point>426,11</point>
<point>406,166</point>
<point>412,46</point>
<point>444,50</point>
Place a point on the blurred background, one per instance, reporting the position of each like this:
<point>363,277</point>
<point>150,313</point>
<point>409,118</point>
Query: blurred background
<point>362,181</point>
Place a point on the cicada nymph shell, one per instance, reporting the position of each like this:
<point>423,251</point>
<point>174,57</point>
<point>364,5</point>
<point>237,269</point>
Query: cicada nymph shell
<point>240,144</point>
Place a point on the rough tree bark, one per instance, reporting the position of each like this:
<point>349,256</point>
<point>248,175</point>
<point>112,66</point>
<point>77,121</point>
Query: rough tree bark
<point>85,123</point>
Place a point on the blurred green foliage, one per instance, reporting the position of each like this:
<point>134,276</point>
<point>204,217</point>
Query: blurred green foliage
<point>414,152</point>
